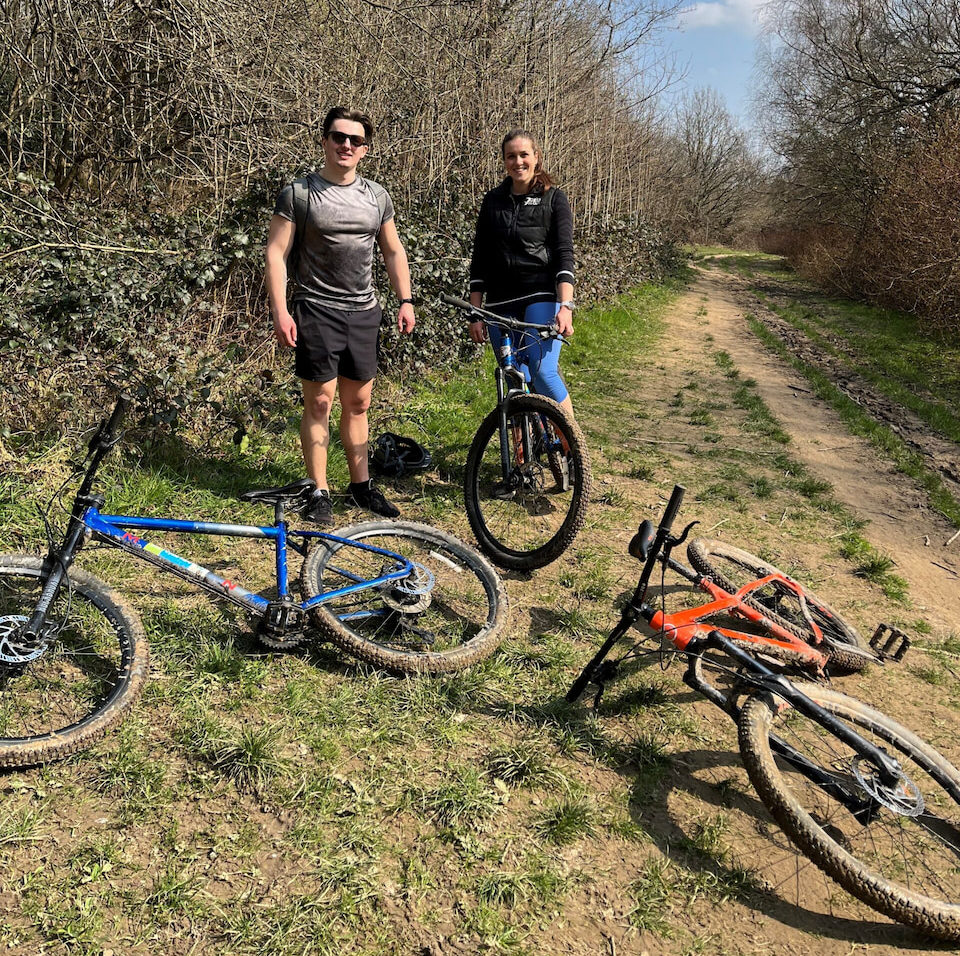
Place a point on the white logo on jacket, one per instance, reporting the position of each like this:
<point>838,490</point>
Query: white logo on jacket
<point>532,201</point>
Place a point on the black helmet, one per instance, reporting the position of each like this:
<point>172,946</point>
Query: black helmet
<point>394,456</point>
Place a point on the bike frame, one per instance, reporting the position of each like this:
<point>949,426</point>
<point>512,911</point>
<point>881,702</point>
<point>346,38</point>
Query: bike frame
<point>117,531</point>
<point>86,519</point>
<point>684,626</point>
<point>692,638</point>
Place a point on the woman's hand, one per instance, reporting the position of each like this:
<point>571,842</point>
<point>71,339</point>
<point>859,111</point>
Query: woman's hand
<point>478,332</point>
<point>565,321</point>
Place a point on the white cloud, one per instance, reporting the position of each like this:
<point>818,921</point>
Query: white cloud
<point>744,14</point>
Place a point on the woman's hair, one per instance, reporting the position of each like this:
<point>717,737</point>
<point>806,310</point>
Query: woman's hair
<point>540,176</point>
<point>355,116</point>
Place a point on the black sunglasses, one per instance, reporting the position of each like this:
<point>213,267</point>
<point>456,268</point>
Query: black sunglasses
<point>340,138</point>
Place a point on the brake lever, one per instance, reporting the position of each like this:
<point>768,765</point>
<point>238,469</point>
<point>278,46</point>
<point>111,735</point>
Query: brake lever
<point>672,541</point>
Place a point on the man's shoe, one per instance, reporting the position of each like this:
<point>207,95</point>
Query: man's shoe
<point>366,496</point>
<point>319,509</point>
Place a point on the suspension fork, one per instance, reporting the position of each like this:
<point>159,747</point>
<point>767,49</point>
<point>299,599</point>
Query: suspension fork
<point>58,560</point>
<point>507,369</point>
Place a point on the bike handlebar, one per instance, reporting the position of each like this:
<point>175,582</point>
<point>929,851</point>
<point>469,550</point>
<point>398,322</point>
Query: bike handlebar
<point>673,506</point>
<point>491,318</point>
<point>107,433</point>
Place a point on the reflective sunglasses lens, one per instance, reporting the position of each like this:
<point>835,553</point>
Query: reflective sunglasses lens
<point>340,138</point>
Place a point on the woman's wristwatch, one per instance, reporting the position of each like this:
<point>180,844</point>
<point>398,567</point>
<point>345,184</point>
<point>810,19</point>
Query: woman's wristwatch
<point>406,301</point>
<point>566,305</point>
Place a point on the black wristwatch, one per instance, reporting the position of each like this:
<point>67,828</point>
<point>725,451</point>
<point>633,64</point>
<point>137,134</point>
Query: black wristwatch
<point>406,301</point>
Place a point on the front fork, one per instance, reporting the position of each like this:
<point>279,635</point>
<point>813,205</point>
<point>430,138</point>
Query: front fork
<point>504,394</point>
<point>56,564</point>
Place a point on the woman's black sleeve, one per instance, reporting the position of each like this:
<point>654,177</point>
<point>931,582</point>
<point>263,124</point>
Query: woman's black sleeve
<point>479,263</point>
<point>560,238</point>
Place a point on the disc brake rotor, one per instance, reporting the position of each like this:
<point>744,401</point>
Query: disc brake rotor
<point>903,798</point>
<point>410,595</point>
<point>12,651</point>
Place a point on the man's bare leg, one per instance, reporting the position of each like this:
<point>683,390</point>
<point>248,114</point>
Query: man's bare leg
<point>315,428</point>
<point>354,428</point>
<point>354,432</point>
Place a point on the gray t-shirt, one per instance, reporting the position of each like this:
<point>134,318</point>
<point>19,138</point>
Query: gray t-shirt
<point>335,265</point>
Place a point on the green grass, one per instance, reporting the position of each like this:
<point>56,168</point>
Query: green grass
<point>889,350</point>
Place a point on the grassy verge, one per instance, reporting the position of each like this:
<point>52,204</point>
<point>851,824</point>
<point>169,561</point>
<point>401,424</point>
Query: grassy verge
<point>860,423</point>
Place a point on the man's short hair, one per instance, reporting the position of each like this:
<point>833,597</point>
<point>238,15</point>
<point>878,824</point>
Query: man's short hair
<point>355,116</point>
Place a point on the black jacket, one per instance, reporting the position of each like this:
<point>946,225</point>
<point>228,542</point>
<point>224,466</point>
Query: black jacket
<point>523,246</point>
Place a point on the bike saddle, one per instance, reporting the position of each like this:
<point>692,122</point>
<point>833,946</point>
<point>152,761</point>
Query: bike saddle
<point>295,491</point>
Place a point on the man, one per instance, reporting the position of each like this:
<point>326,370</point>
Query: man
<point>337,319</point>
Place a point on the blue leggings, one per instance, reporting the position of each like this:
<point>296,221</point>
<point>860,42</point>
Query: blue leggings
<point>538,358</point>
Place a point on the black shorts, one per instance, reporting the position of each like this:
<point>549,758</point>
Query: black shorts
<point>333,342</point>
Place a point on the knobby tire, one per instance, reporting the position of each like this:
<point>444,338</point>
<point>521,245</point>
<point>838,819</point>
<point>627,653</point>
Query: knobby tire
<point>528,521</point>
<point>460,624</point>
<point>83,683</point>
<point>902,866</point>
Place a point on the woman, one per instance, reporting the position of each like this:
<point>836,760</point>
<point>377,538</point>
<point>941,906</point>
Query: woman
<point>523,260</point>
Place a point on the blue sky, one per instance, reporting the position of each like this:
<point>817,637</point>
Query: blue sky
<point>715,43</point>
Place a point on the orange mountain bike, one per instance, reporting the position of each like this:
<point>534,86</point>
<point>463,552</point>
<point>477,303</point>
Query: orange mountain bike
<point>869,802</point>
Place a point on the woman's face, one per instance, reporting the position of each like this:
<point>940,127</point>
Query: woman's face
<point>520,161</point>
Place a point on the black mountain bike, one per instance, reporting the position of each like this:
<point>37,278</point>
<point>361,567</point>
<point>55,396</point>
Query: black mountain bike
<point>527,480</point>
<point>869,802</point>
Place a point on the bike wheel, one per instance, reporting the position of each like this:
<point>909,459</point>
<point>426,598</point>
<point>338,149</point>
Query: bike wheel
<point>448,614</point>
<point>529,517</point>
<point>59,700</point>
<point>732,568</point>
<point>902,855</point>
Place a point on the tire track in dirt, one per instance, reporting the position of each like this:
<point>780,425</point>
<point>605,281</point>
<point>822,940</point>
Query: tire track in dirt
<point>901,523</point>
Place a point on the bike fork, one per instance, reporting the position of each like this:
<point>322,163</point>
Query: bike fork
<point>55,567</point>
<point>763,678</point>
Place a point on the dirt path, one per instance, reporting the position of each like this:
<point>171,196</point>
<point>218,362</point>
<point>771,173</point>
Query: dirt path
<point>683,423</point>
<point>900,522</point>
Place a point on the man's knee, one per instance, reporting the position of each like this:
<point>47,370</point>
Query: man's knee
<point>355,402</point>
<point>317,406</point>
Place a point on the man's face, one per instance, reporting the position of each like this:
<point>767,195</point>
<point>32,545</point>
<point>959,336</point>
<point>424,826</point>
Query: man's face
<point>344,155</point>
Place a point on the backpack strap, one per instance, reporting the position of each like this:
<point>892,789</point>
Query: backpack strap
<point>301,208</point>
<point>301,203</point>
<point>380,195</point>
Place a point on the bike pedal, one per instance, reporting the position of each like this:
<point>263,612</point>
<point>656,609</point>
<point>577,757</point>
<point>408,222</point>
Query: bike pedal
<point>890,642</point>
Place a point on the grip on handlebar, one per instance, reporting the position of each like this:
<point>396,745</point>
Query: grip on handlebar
<point>453,300</point>
<point>673,506</point>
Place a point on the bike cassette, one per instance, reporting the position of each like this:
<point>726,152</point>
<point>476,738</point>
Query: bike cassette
<point>889,642</point>
<point>410,595</point>
<point>903,798</point>
<point>11,650</point>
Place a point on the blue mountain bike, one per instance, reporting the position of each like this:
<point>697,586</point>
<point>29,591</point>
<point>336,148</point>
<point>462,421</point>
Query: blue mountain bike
<point>73,656</point>
<point>526,486</point>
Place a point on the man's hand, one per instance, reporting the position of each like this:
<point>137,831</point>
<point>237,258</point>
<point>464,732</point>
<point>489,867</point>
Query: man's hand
<point>478,332</point>
<point>284,328</point>
<point>406,320</point>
